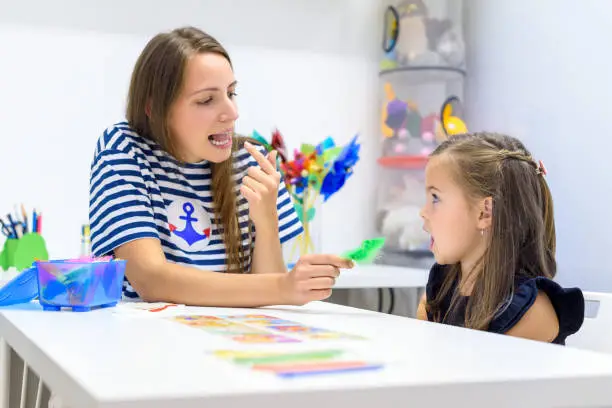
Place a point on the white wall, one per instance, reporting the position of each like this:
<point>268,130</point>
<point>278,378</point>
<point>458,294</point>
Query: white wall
<point>542,70</point>
<point>306,66</point>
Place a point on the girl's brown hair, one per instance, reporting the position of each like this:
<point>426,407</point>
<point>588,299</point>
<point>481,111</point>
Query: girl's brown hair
<point>155,85</point>
<point>522,236</point>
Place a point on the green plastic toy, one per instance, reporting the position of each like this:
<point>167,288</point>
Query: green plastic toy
<point>367,252</point>
<point>7,256</point>
<point>21,253</point>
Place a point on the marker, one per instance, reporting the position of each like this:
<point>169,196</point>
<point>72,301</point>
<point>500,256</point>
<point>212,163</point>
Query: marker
<point>39,223</point>
<point>34,220</point>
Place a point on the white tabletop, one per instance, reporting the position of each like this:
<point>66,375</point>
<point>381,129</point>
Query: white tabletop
<point>382,276</point>
<point>102,359</point>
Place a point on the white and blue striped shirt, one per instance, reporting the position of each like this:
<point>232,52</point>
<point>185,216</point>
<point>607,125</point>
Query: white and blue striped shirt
<point>138,190</point>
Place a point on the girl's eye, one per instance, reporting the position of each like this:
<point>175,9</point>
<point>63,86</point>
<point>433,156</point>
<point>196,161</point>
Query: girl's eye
<point>232,94</point>
<point>434,198</point>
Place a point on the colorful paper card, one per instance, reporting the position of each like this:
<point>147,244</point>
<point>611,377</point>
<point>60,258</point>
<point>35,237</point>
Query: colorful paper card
<point>292,364</point>
<point>289,327</point>
<point>254,328</point>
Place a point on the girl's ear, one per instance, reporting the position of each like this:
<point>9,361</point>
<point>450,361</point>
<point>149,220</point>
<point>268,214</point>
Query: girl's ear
<point>485,217</point>
<point>148,109</point>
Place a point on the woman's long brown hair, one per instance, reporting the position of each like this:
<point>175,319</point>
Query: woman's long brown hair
<point>522,236</point>
<point>155,85</point>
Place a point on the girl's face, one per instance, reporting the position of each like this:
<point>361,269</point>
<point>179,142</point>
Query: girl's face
<point>454,222</point>
<point>203,116</point>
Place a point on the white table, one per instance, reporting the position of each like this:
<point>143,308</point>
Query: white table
<point>100,359</point>
<point>382,276</point>
<point>387,277</point>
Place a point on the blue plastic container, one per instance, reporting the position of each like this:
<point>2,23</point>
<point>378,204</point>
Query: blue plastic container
<point>80,286</point>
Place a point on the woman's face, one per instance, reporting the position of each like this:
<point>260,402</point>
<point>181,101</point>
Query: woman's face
<point>203,116</point>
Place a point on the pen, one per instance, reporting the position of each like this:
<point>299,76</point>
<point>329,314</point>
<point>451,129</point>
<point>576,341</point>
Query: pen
<point>12,224</point>
<point>5,230</point>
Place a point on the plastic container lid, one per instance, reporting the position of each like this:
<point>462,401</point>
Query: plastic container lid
<point>21,289</point>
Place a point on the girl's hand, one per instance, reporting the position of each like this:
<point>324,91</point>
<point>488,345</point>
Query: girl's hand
<point>260,188</point>
<point>312,278</point>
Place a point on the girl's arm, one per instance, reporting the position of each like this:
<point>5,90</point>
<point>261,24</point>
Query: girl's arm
<point>157,280</point>
<point>540,322</point>
<point>421,310</point>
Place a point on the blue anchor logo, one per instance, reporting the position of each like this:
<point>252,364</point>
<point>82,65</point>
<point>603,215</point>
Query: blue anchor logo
<point>189,234</point>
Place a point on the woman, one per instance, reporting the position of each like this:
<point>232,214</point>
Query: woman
<point>175,193</point>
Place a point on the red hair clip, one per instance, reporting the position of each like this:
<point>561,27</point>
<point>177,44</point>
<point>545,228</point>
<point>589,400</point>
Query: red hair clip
<point>541,168</point>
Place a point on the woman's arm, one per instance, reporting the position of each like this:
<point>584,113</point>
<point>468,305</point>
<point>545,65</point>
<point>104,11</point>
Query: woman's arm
<point>268,201</point>
<point>157,280</point>
<point>268,252</point>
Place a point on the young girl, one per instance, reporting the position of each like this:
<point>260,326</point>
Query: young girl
<point>490,215</point>
<point>181,198</point>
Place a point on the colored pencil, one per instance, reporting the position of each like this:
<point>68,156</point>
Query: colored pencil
<point>25,219</point>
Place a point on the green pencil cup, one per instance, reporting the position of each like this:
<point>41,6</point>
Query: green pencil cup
<point>21,253</point>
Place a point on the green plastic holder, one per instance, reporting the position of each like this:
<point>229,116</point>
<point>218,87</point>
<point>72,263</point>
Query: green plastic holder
<point>21,253</point>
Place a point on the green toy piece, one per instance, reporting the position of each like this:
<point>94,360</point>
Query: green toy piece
<point>7,256</point>
<point>31,247</point>
<point>367,252</point>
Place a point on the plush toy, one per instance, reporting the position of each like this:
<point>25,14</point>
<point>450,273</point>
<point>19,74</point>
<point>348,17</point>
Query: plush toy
<point>394,113</point>
<point>412,38</point>
<point>399,218</point>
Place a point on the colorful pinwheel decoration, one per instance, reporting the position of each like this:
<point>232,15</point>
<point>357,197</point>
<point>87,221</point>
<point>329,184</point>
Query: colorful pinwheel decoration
<point>313,172</point>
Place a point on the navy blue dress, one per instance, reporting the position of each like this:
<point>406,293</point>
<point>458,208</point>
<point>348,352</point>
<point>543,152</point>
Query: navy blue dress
<point>568,303</point>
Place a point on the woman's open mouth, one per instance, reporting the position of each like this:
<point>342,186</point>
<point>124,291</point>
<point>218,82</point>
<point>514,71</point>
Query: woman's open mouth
<point>222,140</point>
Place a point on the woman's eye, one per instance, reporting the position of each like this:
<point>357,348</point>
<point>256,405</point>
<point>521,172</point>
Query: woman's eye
<point>205,102</point>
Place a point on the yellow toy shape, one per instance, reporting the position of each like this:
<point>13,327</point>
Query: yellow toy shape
<point>390,94</point>
<point>452,125</point>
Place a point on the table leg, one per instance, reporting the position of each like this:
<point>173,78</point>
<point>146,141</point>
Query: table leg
<point>20,386</point>
<point>5,367</point>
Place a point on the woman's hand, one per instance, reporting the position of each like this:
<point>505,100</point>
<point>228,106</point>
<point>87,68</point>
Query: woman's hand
<point>260,188</point>
<point>312,278</point>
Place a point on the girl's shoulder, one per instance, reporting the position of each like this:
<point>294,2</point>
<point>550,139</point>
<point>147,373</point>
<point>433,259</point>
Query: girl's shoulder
<point>568,304</point>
